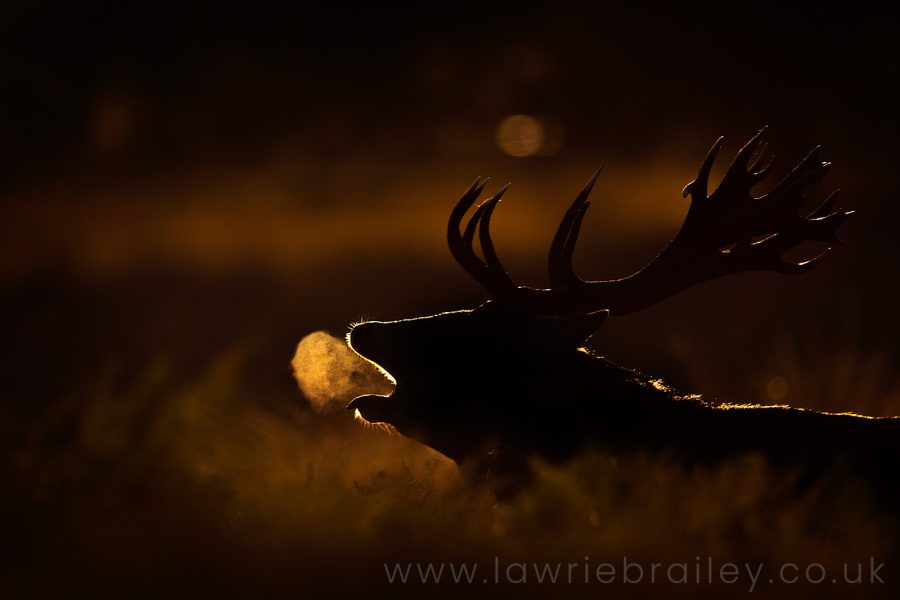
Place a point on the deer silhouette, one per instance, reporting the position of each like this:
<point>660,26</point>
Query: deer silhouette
<point>509,379</point>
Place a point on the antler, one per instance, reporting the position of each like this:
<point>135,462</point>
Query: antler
<point>728,231</point>
<point>489,272</point>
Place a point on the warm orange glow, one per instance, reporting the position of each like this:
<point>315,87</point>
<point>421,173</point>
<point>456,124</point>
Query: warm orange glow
<point>777,388</point>
<point>216,224</point>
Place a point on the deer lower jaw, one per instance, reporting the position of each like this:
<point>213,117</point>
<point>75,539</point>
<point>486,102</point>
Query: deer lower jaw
<point>372,408</point>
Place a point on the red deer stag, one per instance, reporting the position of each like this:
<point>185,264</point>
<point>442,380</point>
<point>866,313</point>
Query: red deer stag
<point>510,380</point>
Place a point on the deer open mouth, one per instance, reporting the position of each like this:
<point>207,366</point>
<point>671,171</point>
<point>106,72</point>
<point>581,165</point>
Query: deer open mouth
<point>371,406</point>
<point>373,410</point>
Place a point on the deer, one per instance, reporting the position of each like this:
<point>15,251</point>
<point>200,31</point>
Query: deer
<point>509,380</point>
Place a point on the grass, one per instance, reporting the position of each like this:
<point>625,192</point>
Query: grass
<point>181,489</point>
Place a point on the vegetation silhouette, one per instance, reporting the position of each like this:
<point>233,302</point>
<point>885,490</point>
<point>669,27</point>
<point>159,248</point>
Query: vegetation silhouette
<point>495,386</point>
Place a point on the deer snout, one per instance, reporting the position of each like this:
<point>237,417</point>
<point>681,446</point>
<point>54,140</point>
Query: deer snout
<point>376,341</point>
<point>363,339</point>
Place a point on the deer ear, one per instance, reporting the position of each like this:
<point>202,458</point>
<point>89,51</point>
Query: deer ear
<point>571,331</point>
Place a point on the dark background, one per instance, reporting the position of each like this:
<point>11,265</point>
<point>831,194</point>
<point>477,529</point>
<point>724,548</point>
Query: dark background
<point>180,181</point>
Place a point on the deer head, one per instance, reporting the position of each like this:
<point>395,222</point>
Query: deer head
<point>511,373</point>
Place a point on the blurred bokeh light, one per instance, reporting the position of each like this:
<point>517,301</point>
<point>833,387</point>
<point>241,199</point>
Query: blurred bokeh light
<point>520,135</point>
<point>526,135</point>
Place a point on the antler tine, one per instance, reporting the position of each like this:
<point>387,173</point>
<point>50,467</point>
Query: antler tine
<point>456,215</point>
<point>824,229</point>
<point>762,164</point>
<point>760,153</point>
<point>699,187</point>
<point>808,171</point>
<point>494,267</point>
<point>742,158</point>
<point>826,207</point>
<point>767,254</point>
<point>560,260</point>
<point>472,226</point>
<point>460,248</point>
<point>789,268</point>
<point>570,278</point>
<point>489,272</point>
<point>742,173</point>
<point>762,172</point>
<point>826,212</point>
